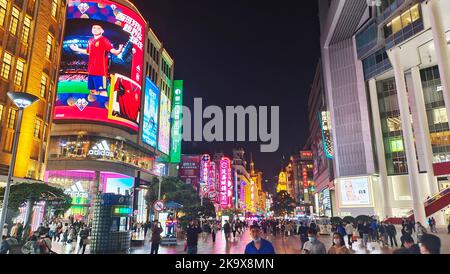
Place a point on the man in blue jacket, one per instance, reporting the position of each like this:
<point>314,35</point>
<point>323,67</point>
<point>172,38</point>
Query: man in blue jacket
<point>258,245</point>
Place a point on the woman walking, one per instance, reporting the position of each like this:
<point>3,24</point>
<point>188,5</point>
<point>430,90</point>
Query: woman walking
<point>338,246</point>
<point>156,237</point>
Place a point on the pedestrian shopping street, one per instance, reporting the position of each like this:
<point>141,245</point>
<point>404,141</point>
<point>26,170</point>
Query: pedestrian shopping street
<point>282,245</point>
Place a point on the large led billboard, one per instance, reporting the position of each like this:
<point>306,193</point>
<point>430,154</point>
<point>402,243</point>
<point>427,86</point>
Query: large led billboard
<point>151,107</point>
<point>119,185</point>
<point>101,64</point>
<point>177,116</point>
<point>189,170</point>
<point>164,125</point>
<point>355,192</point>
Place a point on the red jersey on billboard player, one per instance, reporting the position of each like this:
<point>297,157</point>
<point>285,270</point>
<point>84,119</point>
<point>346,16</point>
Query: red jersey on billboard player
<point>128,97</point>
<point>98,49</point>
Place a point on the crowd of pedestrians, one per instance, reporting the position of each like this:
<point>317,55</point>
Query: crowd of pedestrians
<point>72,234</point>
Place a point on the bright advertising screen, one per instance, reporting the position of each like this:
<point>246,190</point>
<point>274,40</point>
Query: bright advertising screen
<point>151,107</point>
<point>355,192</point>
<point>119,185</point>
<point>177,117</point>
<point>101,64</point>
<point>164,125</point>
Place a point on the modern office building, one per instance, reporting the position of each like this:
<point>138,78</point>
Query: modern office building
<point>384,65</point>
<point>30,35</point>
<point>296,177</point>
<point>111,133</point>
<point>321,146</point>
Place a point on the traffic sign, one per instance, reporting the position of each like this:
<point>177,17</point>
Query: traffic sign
<point>159,206</point>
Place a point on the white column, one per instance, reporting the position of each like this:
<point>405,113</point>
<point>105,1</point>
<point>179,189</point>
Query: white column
<point>381,154</point>
<point>423,131</point>
<point>424,137</point>
<point>408,138</point>
<point>441,48</point>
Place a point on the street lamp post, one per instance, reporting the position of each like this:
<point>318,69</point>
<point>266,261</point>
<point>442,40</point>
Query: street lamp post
<point>22,100</point>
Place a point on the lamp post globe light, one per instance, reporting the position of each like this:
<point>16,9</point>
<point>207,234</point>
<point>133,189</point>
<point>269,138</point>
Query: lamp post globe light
<point>22,100</point>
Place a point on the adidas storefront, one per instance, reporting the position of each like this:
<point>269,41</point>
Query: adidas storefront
<point>86,165</point>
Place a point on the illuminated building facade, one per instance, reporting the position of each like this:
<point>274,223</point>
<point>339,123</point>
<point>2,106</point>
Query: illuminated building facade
<point>321,145</point>
<point>30,35</point>
<point>97,140</point>
<point>259,196</point>
<point>394,65</point>
<point>290,180</point>
<point>282,181</point>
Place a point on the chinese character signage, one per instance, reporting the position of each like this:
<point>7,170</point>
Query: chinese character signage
<point>325,125</point>
<point>205,163</point>
<point>225,164</point>
<point>305,178</point>
<point>177,116</point>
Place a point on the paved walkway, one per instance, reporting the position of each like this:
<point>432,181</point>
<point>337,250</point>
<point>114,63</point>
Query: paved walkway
<point>283,245</point>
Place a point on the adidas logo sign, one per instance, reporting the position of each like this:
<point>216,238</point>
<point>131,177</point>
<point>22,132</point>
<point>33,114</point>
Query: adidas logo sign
<point>101,149</point>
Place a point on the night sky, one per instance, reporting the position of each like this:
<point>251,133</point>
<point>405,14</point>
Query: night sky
<point>243,52</point>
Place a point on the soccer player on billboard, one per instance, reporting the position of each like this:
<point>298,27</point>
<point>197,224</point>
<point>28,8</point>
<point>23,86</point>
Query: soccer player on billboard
<point>98,50</point>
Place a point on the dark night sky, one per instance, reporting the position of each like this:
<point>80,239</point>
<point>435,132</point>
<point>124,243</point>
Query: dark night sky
<point>243,52</point>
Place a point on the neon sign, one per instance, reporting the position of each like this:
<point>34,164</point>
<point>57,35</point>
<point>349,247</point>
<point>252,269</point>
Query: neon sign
<point>205,162</point>
<point>305,178</point>
<point>224,181</point>
<point>324,121</point>
<point>252,197</point>
<point>212,178</point>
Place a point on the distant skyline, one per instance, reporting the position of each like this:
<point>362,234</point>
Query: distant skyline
<point>243,53</point>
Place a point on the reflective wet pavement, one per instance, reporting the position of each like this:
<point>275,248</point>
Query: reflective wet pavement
<point>282,245</point>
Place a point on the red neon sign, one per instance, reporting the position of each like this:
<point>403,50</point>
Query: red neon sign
<point>225,167</point>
